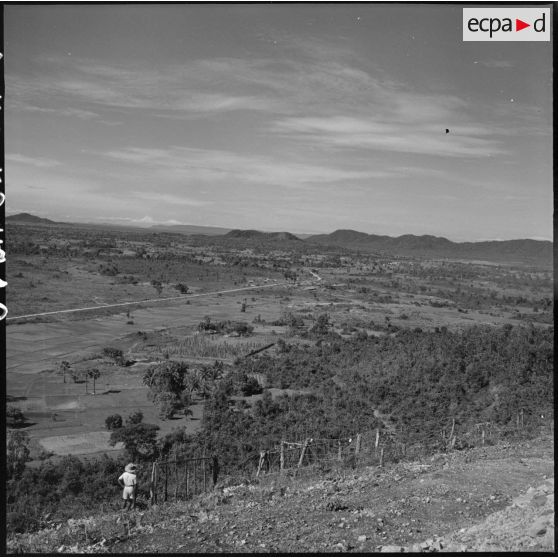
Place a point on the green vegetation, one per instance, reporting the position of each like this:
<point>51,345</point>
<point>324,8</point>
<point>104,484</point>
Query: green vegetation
<point>66,489</point>
<point>167,387</point>
<point>227,326</point>
<point>419,380</point>
<point>14,417</point>
<point>379,342</point>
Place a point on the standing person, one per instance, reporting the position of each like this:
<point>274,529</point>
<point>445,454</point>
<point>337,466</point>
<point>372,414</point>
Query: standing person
<point>129,483</point>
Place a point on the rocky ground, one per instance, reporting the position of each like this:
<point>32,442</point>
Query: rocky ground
<point>498,498</point>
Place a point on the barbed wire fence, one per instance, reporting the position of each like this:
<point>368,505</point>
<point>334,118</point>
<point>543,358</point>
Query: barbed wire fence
<point>180,478</point>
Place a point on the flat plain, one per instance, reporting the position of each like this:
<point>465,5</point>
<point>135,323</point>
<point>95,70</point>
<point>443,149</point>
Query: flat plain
<point>60,268</point>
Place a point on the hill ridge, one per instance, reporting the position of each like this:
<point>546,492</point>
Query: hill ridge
<point>522,249</point>
<point>253,234</point>
<point>28,218</point>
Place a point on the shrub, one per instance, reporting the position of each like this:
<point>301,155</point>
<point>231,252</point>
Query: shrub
<point>116,354</point>
<point>322,325</point>
<point>135,418</point>
<point>251,387</point>
<point>14,417</point>
<point>17,453</point>
<point>183,289</point>
<point>140,440</point>
<point>113,422</point>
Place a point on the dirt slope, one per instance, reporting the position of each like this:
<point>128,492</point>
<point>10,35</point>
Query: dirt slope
<point>484,499</point>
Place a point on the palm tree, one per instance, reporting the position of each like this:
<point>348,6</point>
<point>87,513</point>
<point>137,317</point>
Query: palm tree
<point>64,367</point>
<point>207,380</point>
<point>94,374</point>
<point>193,381</point>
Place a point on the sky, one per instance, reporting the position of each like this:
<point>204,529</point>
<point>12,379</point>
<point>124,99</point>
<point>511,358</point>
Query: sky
<point>305,118</point>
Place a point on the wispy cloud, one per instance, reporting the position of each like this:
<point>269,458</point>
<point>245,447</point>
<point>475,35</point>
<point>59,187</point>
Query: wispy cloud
<point>193,166</point>
<point>147,220</point>
<point>182,89</point>
<point>312,91</point>
<point>40,162</point>
<point>161,197</point>
<point>373,133</point>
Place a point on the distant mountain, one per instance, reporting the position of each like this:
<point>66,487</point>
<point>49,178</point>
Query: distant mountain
<point>341,236</point>
<point>258,235</point>
<point>522,250</point>
<point>28,218</point>
<point>190,229</point>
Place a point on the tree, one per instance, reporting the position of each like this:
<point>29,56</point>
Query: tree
<point>183,289</point>
<point>116,354</point>
<point>207,325</point>
<point>290,275</point>
<point>140,440</point>
<point>113,422</point>
<point>14,417</point>
<point>322,325</point>
<point>157,285</point>
<point>64,368</point>
<point>17,453</point>
<point>166,383</point>
<point>167,376</point>
<point>169,404</point>
<point>94,374</point>
<point>251,387</point>
<point>193,381</point>
<point>209,376</point>
<point>135,418</point>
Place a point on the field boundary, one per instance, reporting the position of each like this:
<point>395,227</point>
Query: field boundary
<point>312,456</point>
<point>151,300</point>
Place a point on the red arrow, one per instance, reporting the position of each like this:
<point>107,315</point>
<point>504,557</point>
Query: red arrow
<point>519,25</point>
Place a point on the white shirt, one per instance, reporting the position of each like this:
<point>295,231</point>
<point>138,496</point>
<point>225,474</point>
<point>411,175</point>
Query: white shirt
<point>129,479</point>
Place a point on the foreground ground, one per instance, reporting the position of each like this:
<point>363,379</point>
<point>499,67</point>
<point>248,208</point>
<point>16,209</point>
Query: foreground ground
<point>498,498</point>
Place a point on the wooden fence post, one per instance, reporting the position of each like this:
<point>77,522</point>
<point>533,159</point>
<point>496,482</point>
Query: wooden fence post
<point>260,464</point>
<point>382,457</point>
<point>377,442</point>
<point>482,437</point>
<point>451,440</point>
<point>215,471</point>
<point>166,481</point>
<point>153,487</point>
<point>282,457</point>
<point>302,452</point>
<point>357,445</point>
<point>176,486</point>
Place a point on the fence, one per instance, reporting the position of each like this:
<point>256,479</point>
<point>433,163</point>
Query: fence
<point>181,478</point>
<point>380,447</point>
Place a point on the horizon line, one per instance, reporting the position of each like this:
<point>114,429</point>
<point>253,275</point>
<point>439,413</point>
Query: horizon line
<point>138,224</point>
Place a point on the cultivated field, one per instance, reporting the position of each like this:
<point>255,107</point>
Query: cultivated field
<point>377,295</point>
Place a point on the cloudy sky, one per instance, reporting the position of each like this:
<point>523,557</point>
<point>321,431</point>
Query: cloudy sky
<point>305,118</point>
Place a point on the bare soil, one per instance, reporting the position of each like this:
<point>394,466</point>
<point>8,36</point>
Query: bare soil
<point>403,505</point>
<point>498,498</point>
